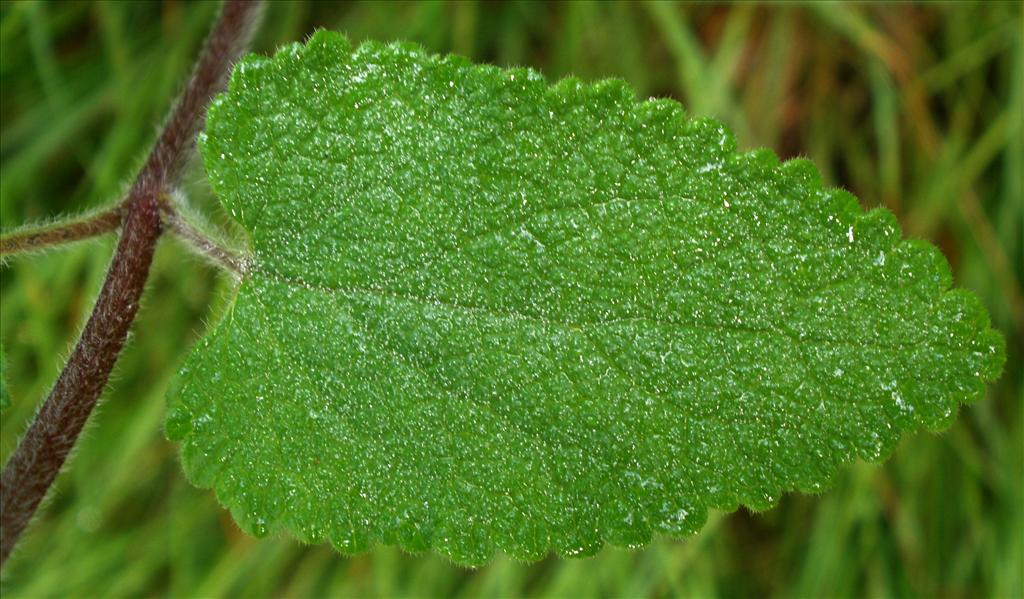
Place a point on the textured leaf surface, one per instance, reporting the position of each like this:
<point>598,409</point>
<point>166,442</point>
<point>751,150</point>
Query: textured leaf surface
<point>488,313</point>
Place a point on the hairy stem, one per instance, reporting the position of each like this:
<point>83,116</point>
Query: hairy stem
<point>34,465</point>
<point>51,235</point>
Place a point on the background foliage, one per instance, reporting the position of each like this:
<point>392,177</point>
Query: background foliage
<point>918,108</point>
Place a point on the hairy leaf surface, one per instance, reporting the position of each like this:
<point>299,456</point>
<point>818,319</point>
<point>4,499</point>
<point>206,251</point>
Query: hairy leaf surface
<point>483,312</point>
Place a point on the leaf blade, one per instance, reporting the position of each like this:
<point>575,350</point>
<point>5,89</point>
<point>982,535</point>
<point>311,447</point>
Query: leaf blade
<point>488,313</point>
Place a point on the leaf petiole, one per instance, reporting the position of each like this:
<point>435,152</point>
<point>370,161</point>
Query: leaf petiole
<point>198,241</point>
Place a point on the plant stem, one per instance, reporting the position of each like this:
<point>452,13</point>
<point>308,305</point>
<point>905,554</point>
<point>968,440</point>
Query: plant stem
<point>34,465</point>
<point>55,234</point>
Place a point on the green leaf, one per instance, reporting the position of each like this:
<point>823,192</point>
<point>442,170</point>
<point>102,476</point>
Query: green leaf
<point>487,313</point>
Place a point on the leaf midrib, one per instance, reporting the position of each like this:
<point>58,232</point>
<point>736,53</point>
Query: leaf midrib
<point>573,326</point>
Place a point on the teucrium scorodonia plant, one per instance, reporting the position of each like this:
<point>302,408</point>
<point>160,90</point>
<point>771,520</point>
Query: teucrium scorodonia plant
<point>480,312</point>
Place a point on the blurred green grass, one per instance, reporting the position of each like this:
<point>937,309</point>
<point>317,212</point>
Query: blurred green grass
<point>916,107</point>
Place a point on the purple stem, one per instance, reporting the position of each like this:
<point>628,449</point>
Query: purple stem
<point>41,453</point>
